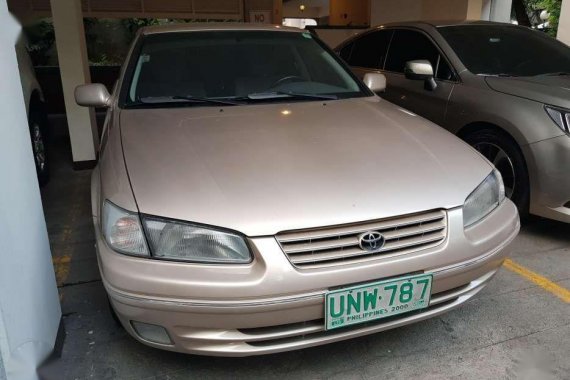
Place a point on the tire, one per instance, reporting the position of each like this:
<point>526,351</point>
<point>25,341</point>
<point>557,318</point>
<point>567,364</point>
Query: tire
<point>37,121</point>
<point>503,152</point>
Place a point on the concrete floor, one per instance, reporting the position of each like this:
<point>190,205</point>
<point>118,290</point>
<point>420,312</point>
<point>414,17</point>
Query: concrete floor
<point>513,329</point>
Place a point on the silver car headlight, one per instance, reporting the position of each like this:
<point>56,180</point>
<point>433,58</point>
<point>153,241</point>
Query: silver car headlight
<point>484,199</point>
<point>561,117</point>
<point>123,231</point>
<point>188,242</point>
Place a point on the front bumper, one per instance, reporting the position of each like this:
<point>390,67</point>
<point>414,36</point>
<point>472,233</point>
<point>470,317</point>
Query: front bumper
<point>548,163</point>
<point>270,306</point>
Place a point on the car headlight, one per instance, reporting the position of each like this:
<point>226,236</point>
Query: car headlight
<point>123,231</point>
<point>189,242</point>
<point>170,240</point>
<point>484,199</point>
<point>560,117</point>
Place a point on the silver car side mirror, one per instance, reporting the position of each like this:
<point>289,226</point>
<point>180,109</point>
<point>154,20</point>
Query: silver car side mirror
<point>376,82</point>
<point>92,95</point>
<point>421,69</point>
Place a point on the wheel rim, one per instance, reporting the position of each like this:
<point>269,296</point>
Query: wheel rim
<point>502,162</point>
<point>38,147</point>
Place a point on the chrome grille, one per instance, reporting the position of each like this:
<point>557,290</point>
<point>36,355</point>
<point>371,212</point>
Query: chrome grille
<point>327,246</point>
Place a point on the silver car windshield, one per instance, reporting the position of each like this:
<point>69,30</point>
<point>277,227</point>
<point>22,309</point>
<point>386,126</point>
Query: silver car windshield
<point>238,66</point>
<point>507,50</point>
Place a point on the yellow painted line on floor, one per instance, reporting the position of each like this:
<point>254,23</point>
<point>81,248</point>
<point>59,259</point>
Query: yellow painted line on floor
<point>63,252</point>
<point>61,266</point>
<point>543,282</point>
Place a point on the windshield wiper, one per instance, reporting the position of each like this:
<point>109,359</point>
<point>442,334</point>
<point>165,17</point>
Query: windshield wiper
<point>502,75</point>
<point>185,99</point>
<point>288,94</point>
<point>207,100</point>
<point>556,74</point>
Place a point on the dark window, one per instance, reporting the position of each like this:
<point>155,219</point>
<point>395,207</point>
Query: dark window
<point>444,71</point>
<point>507,50</point>
<point>370,50</point>
<point>346,51</point>
<point>408,45</point>
<point>196,64</point>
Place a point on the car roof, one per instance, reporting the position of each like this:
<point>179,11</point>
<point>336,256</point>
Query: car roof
<point>442,23</point>
<point>425,25</point>
<point>226,26</point>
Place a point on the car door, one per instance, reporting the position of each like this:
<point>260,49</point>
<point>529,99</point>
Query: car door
<point>367,53</point>
<point>407,45</point>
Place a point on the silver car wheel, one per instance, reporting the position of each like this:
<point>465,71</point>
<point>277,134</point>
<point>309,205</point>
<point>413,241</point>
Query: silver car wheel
<point>502,162</point>
<point>38,147</point>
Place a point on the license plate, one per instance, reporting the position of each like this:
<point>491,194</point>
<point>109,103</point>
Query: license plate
<point>368,302</point>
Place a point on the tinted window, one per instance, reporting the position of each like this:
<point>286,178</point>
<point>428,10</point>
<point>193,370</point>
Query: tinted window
<point>408,45</point>
<point>370,50</point>
<point>235,64</point>
<point>346,51</point>
<point>444,71</point>
<point>507,50</point>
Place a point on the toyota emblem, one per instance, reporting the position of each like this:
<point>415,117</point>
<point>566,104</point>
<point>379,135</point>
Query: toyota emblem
<point>371,241</point>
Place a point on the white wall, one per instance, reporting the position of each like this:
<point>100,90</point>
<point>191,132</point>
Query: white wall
<point>2,370</point>
<point>333,37</point>
<point>564,23</point>
<point>29,302</point>
<point>385,11</point>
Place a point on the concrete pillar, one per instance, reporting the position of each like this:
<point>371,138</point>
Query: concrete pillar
<point>474,10</point>
<point>29,301</point>
<point>74,65</point>
<point>497,10</point>
<point>564,23</point>
<point>277,12</point>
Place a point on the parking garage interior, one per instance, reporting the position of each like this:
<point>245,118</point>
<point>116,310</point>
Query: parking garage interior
<point>517,327</point>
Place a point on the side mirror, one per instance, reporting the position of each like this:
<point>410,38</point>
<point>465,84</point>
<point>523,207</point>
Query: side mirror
<point>375,82</point>
<point>421,70</point>
<point>92,95</point>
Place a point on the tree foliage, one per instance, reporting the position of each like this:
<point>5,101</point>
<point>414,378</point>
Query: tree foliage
<point>134,24</point>
<point>551,6</point>
<point>40,40</point>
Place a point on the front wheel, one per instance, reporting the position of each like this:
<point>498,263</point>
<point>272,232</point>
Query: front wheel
<point>504,153</point>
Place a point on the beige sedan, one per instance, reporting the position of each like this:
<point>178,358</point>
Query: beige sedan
<point>253,196</point>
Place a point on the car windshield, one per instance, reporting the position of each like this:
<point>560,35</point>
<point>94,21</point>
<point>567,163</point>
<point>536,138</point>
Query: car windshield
<point>235,67</point>
<point>507,50</point>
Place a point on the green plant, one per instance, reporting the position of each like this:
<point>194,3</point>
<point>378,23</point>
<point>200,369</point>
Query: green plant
<point>40,40</point>
<point>552,7</point>
<point>134,24</point>
<point>93,43</point>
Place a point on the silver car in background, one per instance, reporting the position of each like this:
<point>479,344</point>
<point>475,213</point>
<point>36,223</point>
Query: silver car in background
<point>503,88</point>
<point>36,111</point>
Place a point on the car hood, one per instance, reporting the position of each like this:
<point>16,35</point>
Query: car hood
<point>553,90</point>
<point>262,169</point>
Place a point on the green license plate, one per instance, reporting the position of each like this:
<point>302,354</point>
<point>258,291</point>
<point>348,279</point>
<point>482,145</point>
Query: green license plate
<point>368,302</point>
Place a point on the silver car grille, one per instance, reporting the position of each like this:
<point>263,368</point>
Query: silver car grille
<point>315,248</point>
